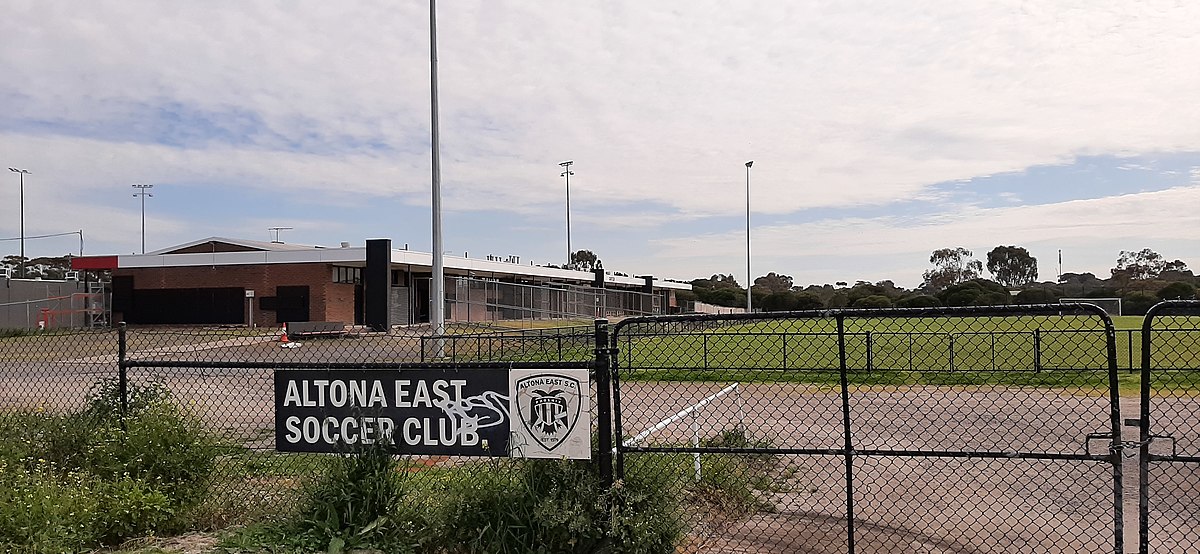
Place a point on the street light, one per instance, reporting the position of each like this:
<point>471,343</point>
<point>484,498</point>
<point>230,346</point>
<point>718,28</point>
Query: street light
<point>22,173</point>
<point>749,277</point>
<point>143,191</point>
<point>437,290</point>
<point>568,173</point>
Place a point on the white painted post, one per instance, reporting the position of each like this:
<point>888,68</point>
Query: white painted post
<point>696,444</point>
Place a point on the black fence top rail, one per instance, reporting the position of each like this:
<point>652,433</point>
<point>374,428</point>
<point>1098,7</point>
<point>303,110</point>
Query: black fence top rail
<point>876,313</point>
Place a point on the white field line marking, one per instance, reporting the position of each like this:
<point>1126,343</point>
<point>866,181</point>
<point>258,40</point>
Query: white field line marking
<point>682,414</point>
<point>178,348</point>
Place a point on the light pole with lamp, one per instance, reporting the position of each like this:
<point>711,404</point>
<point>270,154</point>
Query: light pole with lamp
<point>749,277</point>
<point>22,173</point>
<point>143,192</point>
<point>568,173</point>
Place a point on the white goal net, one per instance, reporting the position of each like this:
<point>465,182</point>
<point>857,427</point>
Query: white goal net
<point>1110,305</point>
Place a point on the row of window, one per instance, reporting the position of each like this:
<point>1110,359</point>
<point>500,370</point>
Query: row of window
<point>353,276</point>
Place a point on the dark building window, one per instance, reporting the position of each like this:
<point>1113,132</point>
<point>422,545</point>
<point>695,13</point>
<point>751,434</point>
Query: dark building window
<point>348,275</point>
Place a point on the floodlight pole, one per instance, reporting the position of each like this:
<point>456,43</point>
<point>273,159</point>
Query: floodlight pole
<point>437,292</point>
<point>143,191</point>
<point>749,276</point>
<point>21,173</point>
<point>568,173</point>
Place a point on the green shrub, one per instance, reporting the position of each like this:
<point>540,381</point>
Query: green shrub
<point>522,506</point>
<point>648,515</point>
<point>104,397</point>
<point>352,503</point>
<point>161,446</point>
<point>43,509</point>
<point>129,508</point>
<point>62,439</point>
<point>544,506</point>
<point>70,482</point>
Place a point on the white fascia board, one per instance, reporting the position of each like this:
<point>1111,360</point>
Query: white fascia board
<point>412,257</point>
<point>331,255</point>
<point>322,255</point>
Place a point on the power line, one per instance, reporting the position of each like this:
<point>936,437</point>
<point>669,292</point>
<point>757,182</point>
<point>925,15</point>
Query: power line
<point>41,236</point>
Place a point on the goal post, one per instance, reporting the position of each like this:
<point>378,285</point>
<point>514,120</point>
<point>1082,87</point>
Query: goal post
<point>1110,305</point>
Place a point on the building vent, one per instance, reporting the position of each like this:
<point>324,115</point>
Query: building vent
<point>345,244</point>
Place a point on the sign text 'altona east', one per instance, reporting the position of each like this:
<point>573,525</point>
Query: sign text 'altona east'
<point>434,411</point>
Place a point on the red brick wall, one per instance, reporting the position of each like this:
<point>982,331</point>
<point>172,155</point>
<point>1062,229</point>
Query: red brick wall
<point>328,301</point>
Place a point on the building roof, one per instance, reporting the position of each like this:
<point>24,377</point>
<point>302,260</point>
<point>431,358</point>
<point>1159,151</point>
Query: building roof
<point>214,251</point>
<point>241,244</point>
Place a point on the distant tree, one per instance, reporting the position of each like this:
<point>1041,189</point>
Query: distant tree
<point>808,301</point>
<point>1012,266</point>
<point>863,289</point>
<point>951,267</point>
<point>873,301</point>
<point>720,290</point>
<point>1177,291</point>
<point>1139,266</point>
<point>1176,265</point>
<point>773,283</point>
<point>1036,296</point>
<point>584,260</point>
<point>787,301</point>
<point>1137,303</point>
<point>919,301</point>
<point>976,292</point>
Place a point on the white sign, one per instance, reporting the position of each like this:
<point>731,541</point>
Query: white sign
<point>249,293</point>
<point>551,413</point>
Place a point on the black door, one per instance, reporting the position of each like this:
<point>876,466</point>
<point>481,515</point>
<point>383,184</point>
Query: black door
<point>291,304</point>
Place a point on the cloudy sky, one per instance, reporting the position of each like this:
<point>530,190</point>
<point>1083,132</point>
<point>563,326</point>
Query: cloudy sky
<point>879,130</point>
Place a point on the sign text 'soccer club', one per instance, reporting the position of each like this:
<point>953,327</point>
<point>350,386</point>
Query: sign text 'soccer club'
<point>463,412</point>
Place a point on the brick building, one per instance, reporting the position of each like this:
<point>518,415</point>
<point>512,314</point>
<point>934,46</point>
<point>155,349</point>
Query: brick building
<point>233,281</point>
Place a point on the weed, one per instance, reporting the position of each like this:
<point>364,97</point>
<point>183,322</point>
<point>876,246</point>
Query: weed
<point>70,482</point>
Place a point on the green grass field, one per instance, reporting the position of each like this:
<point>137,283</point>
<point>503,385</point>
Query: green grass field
<point>1042,351</point>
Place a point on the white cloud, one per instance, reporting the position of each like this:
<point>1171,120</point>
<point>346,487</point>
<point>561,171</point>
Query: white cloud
<point>1092,232</point>
<point>658,103</point>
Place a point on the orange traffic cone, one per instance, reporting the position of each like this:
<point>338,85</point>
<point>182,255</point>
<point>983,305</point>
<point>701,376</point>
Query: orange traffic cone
<point>283,338</point>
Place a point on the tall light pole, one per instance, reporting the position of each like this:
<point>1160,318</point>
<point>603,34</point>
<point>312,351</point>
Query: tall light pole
<point>143,191</point>
<point>437,292</point>
<point>749,276</point>
<point>21,175</point>
<point>568,173</point>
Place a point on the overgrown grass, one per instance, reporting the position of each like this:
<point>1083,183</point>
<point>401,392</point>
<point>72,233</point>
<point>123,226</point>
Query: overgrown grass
<point>374,501</point>
<point>71,482</point>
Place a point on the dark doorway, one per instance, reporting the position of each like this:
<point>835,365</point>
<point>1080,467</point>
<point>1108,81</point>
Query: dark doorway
<point>291,303</point>
<point>186,306</point>
<point>359,304</point>
<point>420,306</point>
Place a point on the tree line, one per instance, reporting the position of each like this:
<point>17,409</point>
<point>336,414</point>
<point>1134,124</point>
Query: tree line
<point>1140,278</point>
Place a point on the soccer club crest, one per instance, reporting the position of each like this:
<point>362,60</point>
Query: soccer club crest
<point>548,405</point>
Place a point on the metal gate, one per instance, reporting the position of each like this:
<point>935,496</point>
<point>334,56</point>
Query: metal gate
<point>1169,453</point>
<point>992,429</point>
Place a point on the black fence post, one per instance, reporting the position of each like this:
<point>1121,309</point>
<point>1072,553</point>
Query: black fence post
<point>849,444</point>
<point>122,372</point>
<point>604,404</point>
<point>1037,350</point>
<point>1144,432</point>
<point>951,352</point>
<point>870,356</point>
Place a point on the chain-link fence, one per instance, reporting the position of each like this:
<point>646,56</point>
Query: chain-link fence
<point>976,430</point>
<point>473,300</point>
<point>222,378</point>
<point>1169,441</point>
<point>973,430</point>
